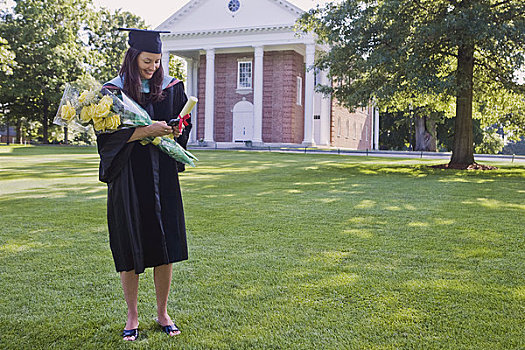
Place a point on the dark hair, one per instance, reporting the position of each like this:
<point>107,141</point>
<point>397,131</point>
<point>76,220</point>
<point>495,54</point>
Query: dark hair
<point>129,72</point>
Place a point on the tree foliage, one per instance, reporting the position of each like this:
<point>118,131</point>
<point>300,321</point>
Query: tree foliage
<point>177,68</point>
<point>453,56</point>
<point>43,35</point>
<point>7,62</point>
<point>107,43</point>
<point>7,58</point>
<point>56,42</point>
<point>492,143</point>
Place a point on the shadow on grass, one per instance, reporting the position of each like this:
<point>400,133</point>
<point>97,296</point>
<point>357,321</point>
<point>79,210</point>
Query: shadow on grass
<point>50,170</point>
<point>74,194</point>
<point>286,251</point>
<point>43,150</point>
<point>418,170</point>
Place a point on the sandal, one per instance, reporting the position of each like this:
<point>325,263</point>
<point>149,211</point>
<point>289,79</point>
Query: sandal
<point>130,333</point>
<point>169,329</point>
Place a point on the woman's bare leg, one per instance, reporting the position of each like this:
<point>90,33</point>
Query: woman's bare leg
<point>162,278</point>
<point>130,285</point>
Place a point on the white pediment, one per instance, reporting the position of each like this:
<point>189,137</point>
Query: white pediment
<point>214,15</point>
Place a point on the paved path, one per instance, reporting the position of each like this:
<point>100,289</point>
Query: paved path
<point>372,153</point>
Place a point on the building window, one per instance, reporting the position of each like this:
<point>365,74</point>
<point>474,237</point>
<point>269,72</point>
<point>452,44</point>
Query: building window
<point>244,75</point>
<point>299,97</point>
<point>366,132</point>
<point>355,130</point>
<point>234,5</point>
<point>317,77</point>
<point>347,129</point>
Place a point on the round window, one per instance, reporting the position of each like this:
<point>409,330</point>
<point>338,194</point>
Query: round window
<point>234,5</point>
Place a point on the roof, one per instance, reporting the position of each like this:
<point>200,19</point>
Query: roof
<point>213,16</point>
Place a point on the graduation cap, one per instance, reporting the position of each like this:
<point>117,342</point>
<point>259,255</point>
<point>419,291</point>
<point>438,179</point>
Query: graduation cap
<point>145,40</point>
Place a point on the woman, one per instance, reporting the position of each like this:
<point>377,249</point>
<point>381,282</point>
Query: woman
<point>145,213</point>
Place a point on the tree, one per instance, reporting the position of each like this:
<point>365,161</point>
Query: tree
<point>108,44</point>
<point>44,37</point>
<point>56,42</point>
<point>425,130</point>
<point>395,132</point>
<point>445,133</point>
<point>492,143</point>
<point>6,68</point>
<point>398,132</point>
<point>177,68</point>
<point>7,58</point>
<point>447,51</point>
<point>501,109</point>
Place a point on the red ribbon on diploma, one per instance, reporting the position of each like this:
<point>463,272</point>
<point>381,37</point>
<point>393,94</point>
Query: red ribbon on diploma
<point>183,120</point>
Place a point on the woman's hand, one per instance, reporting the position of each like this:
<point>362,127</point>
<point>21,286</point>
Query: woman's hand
<point>154,130</point>
<point>176,132</point>
<point>177,129</point>
<point>159,129</point>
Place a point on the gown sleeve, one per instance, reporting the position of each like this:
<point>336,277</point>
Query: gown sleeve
<point>114,149</point>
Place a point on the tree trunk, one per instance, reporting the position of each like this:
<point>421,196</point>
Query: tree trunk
<point>425,134</point>
<point>66,141</point>
<point>411,136</point>
<point>463,150</point>
<point>8,135</point>
<point>19,131</point>
<point>45,136</point>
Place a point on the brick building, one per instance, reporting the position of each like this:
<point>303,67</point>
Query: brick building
<point>7,136</point>
<point>250,71</point>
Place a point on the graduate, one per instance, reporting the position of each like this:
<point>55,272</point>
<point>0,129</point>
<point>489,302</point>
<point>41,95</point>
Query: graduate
<point>144,209</point>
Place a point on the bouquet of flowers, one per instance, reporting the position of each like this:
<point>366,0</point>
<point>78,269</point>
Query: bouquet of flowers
<point>106,112</point>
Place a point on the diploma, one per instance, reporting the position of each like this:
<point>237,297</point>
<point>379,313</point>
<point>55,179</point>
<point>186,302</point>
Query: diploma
<point>184,114</point>
<point>192,101</point>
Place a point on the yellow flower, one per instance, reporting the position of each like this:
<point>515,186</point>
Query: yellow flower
<point>99,124</point>
<point>86,97</point>
<point>86,114</point>
<point>156,140</point>
<point>100,111</point>
<point>95,118</point>
<point>112,122</point>
<point>67,112</point>
<point>106,101</point>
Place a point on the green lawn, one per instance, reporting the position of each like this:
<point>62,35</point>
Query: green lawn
<point>287,251</point>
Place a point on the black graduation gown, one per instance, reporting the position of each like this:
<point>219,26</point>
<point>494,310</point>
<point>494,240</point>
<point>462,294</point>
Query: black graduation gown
<point>144,209</point>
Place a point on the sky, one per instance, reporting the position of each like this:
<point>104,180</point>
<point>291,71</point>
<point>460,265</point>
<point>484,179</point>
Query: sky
<point>149,10</point>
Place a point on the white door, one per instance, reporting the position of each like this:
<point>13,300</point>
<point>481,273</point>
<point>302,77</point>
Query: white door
<point>317,117</point>
<point>317,129</point>
<point>243,121</point>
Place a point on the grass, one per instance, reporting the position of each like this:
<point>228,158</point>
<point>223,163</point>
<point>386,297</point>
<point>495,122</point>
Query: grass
<point>287,251</point>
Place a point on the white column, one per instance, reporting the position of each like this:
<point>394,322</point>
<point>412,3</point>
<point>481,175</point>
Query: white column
<point>309,97</point>
<point>189,77</point>
<point>258,95</point>
<point>209,102</point>
<point>195,89</point>
<point>190,92</point>
<point>326,107</point>
<point>165,61</point>
<point>376,128</point>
